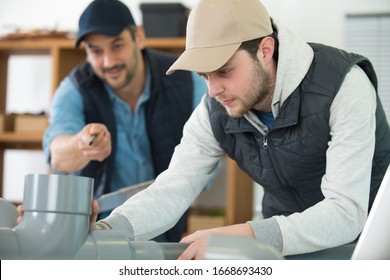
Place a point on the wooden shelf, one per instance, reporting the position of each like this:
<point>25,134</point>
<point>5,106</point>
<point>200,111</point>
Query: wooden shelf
<point>14,46</point>
<point>11,140</point>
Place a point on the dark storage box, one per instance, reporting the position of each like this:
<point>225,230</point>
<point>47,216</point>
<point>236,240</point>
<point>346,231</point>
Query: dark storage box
<point>164,19</point>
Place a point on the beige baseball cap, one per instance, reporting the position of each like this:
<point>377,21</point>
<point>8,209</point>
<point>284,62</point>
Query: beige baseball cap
<point>216,29</point>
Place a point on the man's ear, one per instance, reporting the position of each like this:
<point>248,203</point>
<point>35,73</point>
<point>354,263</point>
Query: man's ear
<point>140,37</point>
<point>266,49</point>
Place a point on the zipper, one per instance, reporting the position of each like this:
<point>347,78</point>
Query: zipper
<point>265,142</point>
<point>283,181</point>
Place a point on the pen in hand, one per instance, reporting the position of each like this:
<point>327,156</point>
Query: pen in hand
<point>93,137</point>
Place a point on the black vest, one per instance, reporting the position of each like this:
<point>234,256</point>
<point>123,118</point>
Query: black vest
<point>290,160</point>
<point>167,110</point>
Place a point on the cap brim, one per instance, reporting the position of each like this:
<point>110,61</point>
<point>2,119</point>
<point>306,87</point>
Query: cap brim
<point>103,30</point>
<point>204,60</point>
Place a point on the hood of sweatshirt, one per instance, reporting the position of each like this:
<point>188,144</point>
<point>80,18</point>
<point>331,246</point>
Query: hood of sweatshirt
<point>295,58</point>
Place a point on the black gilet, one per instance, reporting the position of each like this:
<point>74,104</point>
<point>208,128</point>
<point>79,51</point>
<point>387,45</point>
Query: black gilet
<point>290,160</point>
<point>167,110</point>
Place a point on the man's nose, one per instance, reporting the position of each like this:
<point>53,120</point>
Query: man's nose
<point>108,60</point>
<point>215,87</point>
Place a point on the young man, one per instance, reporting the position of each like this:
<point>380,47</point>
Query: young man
<point>303,120</point>
<point>118,117</point>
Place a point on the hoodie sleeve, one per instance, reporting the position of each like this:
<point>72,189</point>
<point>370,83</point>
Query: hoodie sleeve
<point>156,209</point>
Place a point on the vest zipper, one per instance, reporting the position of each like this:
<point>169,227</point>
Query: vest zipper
<point>283,181</point>
<point>265,142</point>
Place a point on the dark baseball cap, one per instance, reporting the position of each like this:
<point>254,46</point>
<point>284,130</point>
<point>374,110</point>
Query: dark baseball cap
<point>107,17</point>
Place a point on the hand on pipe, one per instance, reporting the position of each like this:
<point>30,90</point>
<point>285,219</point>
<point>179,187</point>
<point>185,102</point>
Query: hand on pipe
<point>198,240</point>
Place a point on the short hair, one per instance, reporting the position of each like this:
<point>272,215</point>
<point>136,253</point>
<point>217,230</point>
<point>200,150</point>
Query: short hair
<point>252,46</point>
<point>132,29</point>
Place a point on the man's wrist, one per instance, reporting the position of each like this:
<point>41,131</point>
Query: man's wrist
<point>102,226</point>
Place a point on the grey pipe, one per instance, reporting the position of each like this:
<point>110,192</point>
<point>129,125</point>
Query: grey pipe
<point>56,217</point>
<point>56,226</point>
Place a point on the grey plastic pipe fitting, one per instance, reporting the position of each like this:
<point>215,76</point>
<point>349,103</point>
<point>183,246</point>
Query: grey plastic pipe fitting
<point>55,225</point>
<point>55,221</point>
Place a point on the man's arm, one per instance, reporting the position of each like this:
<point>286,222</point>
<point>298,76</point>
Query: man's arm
<point>156,209</point>
<point>73,152</point>
<point>66,140</point>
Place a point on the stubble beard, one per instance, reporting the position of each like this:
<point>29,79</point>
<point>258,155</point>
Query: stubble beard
<point>130,74</point>
<point>258,92</point>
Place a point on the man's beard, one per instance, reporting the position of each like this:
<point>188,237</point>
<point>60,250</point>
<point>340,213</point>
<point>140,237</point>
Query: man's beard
<point>259,90</point>
<point>130,73</point>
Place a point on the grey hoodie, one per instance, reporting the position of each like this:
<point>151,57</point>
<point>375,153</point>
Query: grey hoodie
<point>336,220</point>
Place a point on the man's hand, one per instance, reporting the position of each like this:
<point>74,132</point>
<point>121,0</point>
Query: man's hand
<point>71,153</point>
<point>198,239</point>
<point>94,212</point>
<point>95,142</point>
<point>21,213</point>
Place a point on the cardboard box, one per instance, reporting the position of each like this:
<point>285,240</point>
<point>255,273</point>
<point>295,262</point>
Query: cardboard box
<point>198,222</point>
<point>164,19</point>
<point>204,219</point>
<point>7,122</point>
<point>31,123</point>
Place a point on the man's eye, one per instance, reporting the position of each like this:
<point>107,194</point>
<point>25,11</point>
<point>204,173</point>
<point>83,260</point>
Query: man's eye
<point>95,51</point>
<point>117,46</point>
<point>223,72</point>
<point>204,76</point>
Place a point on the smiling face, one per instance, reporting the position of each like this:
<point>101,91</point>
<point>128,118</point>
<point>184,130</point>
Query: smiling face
<point>116,60</point>
<point>241,84</point>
